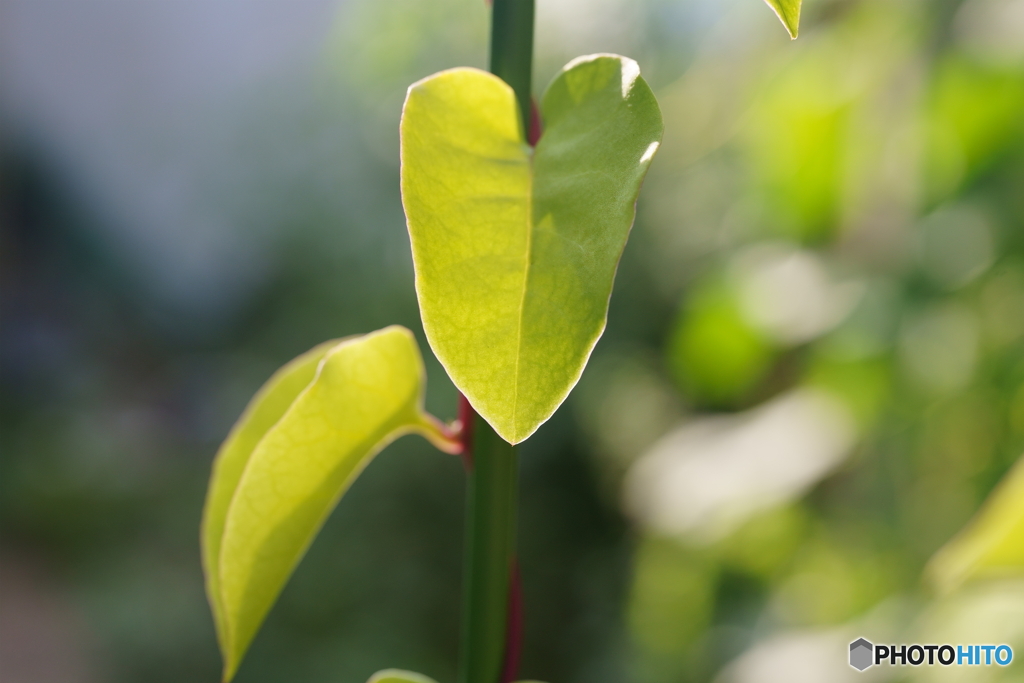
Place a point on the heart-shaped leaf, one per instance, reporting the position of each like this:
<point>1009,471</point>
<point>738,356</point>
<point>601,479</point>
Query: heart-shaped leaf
<point>298,446</point>
<point>992,544</point>
<point>789,14</point>
<point>515,250</point>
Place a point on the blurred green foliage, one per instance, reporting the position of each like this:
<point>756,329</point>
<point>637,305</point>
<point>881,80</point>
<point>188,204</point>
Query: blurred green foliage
<point>841,214</point>
<point>715,354</point>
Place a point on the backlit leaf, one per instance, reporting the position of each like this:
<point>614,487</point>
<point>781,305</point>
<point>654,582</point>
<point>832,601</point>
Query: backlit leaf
<point>263,411</point>
<point>992,545</point>
<point>515,249</point>
<point>789,14</point>
<point>299,445</point>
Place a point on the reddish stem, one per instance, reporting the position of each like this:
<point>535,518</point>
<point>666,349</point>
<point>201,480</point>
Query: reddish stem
<point>536,125</point>
<point>514,629</point>
<point>466,417</point>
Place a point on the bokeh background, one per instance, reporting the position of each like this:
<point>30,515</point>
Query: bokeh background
<point>812,376</point>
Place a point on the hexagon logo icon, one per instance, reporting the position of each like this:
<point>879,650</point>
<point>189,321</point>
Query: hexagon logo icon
<point>861,651</point>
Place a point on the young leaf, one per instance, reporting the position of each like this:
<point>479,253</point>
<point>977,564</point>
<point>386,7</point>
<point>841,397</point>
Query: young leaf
<point>399,676</point>
<point>515,250</point>
<point>303,440</point>
<point>992,544</point>
<point>265,409</point>
<point>788,12</point>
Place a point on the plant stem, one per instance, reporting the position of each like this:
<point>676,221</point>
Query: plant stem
<point>490,543</point>
<point>489,647</point>
<point>512,49</point>
<point>514,626</point>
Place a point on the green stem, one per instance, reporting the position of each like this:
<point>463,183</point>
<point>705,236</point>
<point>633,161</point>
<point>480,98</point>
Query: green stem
<point>512,49</point>
<point>492,486</point>
<point>490,543</point>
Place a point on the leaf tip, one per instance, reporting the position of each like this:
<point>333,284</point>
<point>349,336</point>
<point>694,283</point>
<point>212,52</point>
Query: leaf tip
<point>230,668</point>
<point>788,12</point>
<point>233,656</point>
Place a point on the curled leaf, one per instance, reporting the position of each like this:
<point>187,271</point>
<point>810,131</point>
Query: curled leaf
<point>992,544</point>
<point>300,444</point>
<point>515,249</point>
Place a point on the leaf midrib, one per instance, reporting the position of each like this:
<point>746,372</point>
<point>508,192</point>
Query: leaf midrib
<point>522,298</point>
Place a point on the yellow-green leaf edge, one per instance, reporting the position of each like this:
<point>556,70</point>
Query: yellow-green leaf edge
<point>992,544</point>
<point>262,456</point>
<point>399,676</point>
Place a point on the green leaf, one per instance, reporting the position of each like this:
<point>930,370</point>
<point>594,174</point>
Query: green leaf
<point>302,441</point>
<point>263,411</point>
<point>515,249</point>
<point>789,14</point>
<point>399,676</point>
<point>992,544</point>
